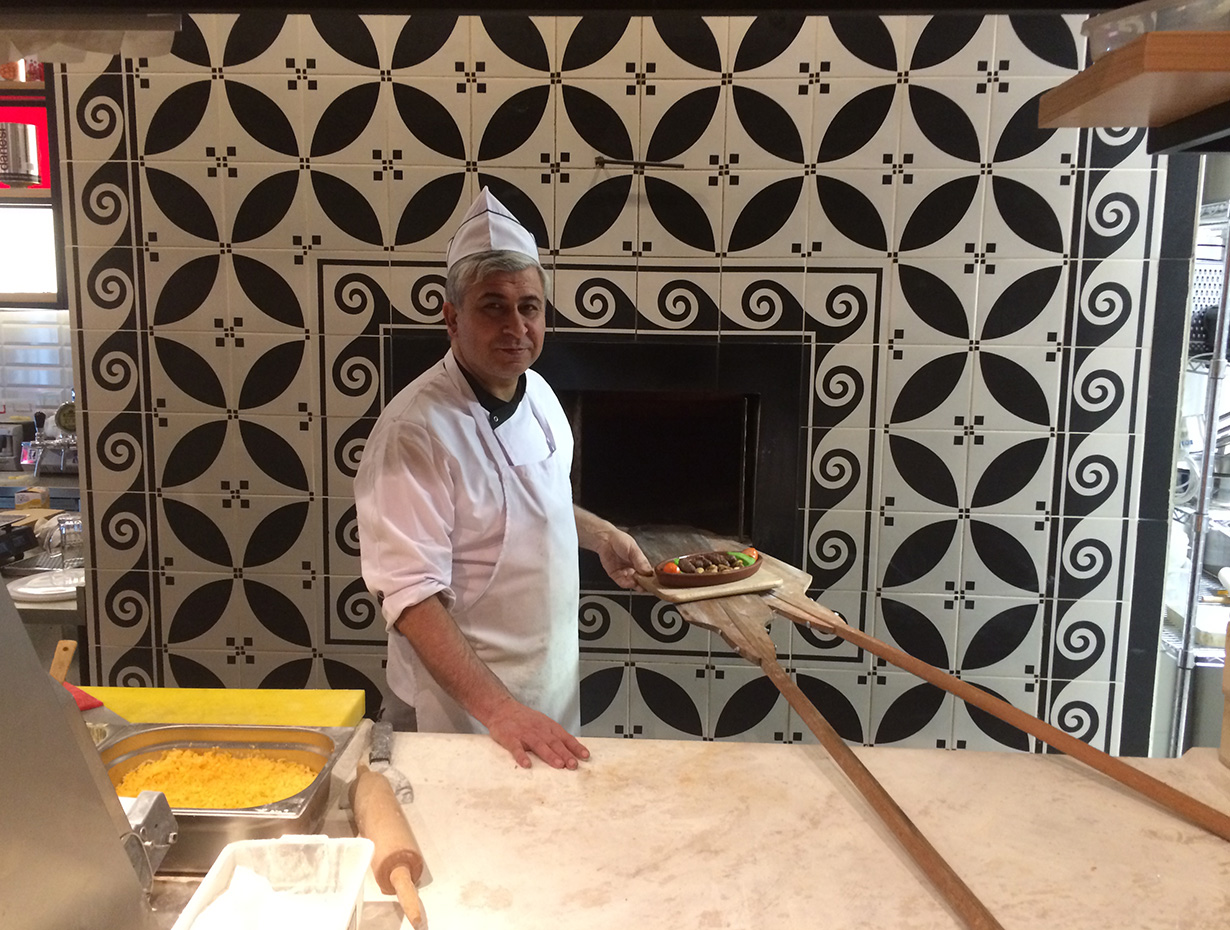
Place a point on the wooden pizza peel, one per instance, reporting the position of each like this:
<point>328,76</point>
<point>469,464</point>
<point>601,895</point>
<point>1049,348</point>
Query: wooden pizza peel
<point>790,599</point>
<point>741,615</point>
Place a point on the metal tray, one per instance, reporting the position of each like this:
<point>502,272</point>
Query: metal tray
<point>204,832</point>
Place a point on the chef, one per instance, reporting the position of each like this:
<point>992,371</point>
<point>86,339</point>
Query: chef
<point>467,528</point>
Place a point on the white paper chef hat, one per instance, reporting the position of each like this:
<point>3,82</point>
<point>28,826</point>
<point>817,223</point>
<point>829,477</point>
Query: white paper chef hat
<point>489,226</point>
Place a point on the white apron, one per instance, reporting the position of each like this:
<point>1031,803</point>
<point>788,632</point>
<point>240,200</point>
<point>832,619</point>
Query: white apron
<point>524,625</point>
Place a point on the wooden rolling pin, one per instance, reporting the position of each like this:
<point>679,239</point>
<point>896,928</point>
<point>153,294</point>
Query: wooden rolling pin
<point>397,861</point>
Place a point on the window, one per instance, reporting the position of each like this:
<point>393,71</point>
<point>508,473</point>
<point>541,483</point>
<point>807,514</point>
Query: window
<point>31,263</point>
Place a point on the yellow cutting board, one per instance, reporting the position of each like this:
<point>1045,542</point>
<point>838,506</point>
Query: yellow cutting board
<point>267,706</point>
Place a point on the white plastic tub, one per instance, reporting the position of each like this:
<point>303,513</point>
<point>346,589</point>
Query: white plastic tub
<point>1116,28</point>
<point>300,882</point>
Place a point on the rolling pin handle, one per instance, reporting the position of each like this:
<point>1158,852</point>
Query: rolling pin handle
<point>408,897</point>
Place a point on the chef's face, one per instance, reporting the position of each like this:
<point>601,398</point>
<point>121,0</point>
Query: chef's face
<point>496,333</point>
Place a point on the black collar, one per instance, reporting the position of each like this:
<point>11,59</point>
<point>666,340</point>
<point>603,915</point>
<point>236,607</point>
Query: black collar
<point>497,410</point>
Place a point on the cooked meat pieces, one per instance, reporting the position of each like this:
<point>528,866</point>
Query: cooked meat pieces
<point>708,562</point>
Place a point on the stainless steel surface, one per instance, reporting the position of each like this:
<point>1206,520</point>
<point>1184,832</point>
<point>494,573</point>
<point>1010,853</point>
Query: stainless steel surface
<point>382,742</point>
<point>64,863</point>
<point>155,826</point>
<point>39,560</point>
<point>18,154</point>
<point>204,832</point>
<point>57,456</point>
<point>1179,722</point>
<point>170,895</point>
<point>11,437</point>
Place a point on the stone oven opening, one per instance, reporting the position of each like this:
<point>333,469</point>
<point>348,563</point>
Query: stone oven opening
<point>675,457</point>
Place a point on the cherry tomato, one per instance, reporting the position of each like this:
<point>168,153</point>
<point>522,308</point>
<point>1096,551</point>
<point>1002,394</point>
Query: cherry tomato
<point>670,568</point>
<point>752,552</point>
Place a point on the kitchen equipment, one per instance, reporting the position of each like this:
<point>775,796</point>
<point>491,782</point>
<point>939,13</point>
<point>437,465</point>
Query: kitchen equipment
<point>72,858</point>
<point>741,620</point>
<point>18,154</point>
<point>16,536</point>
<point>282,883</point>
<point>397,862</point>
<point>65,417</point>
<point>39,522</point>
<point>203,833</point>
<point>12,435</point>
<point>52,454</point>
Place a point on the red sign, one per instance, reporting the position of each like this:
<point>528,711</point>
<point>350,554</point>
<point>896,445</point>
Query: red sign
<point>11,112</point>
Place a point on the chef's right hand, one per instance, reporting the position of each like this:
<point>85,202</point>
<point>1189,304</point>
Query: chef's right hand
<point>522,730</point>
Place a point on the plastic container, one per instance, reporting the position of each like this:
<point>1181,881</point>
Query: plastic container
<point>301,882</point>
<point>1116,28</point>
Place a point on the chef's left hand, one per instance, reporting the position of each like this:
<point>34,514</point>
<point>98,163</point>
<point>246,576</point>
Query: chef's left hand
<point>622,558</point>
<point>522,730</point>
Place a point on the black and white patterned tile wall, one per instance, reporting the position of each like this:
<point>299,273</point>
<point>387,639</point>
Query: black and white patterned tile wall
<point>256,222</point>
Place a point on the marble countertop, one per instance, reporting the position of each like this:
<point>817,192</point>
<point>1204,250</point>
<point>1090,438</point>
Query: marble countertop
<point>706,835</point>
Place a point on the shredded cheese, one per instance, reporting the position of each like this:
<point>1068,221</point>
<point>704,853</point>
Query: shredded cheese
<point>214,778</point>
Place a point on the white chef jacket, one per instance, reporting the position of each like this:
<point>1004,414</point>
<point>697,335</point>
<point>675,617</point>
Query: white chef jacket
<point>448,505</point>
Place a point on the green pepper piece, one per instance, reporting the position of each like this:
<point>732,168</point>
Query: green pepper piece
<point>743,558</point>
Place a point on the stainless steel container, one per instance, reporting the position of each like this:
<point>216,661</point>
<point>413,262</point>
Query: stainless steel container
<point>204,832</point>
<point>12,435</point>
<point>18,154</point>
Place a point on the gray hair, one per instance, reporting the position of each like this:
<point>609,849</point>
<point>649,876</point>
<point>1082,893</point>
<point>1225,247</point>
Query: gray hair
<point>473,268</point>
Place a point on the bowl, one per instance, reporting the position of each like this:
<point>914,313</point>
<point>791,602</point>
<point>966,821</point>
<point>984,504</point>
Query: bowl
<point>205,832</point>
<point>688,580</point>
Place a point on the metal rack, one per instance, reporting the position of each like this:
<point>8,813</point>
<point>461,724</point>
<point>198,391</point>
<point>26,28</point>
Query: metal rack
<point>1210,285</point>
<point>1201,656</point>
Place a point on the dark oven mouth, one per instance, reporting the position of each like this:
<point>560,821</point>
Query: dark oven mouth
<point>666,457</point>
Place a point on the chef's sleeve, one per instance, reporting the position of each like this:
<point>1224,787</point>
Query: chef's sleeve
<point>404,501</point>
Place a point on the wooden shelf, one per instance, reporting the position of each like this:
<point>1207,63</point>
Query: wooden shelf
<point>1153,81</point>
<point>25,193</point>
<point>18,88</point>
<point>32,299</point>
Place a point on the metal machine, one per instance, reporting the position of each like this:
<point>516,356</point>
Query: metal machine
<point>72,858</point>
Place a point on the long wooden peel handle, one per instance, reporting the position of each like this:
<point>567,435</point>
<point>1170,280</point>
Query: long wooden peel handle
<point>1197,812</point>
<point>967,905</point>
